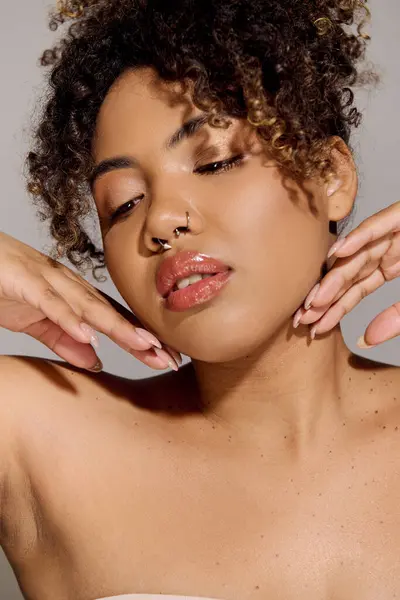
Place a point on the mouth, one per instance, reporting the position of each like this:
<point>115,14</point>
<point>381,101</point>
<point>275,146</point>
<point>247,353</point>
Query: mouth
<point>185,282</point>
<point>190,278</point>
<point>195,290</point>
<point>187,269</point>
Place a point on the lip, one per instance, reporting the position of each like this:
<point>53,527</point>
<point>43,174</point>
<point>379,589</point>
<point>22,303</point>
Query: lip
<point>183,264</point>
<point>197,293</point>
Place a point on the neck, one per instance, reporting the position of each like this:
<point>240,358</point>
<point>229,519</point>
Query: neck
<point>289,390</point>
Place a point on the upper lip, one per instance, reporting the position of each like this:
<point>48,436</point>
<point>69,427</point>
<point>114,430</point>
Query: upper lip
<point>183,264</point>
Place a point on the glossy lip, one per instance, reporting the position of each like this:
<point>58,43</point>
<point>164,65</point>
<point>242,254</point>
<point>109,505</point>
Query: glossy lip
<point>198,293</point>
<point>183,264</point>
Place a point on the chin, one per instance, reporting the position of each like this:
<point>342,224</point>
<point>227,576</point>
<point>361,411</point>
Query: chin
<point>220,346</point>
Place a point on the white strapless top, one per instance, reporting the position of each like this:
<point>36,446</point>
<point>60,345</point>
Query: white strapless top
<point>155,597</point>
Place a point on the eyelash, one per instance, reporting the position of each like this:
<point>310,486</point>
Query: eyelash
<point>223,166</point>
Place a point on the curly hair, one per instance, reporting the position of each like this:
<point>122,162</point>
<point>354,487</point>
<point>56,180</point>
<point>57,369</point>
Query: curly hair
<point>285,65</point>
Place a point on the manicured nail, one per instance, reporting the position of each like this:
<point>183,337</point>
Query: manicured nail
<point>97,367</point>
<point>297,318</point>
<point>148,337</point>
<point>361,343</point>
<point>313,332</point>
<point>336,246</point>
<point>167,360</point>
<point>311,296</point>
<point>175,355</point>
<point>91,334</point>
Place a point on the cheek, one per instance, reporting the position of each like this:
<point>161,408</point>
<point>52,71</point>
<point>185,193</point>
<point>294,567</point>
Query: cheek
<point>127,271</point>
<point>281,243</point>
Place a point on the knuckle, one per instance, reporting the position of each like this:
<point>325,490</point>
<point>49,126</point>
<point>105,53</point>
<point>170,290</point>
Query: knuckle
<point>88,296</point>
<point>345,309</point>
<point>52,263</point>
<point>117,324</point>
<point>363,292</point>
<point>49,293</point>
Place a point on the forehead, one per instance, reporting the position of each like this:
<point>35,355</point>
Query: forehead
<point>140,106</point>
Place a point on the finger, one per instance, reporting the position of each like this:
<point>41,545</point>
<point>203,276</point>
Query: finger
<point>84,306</point>
<point>155,358</point>
<point>313,314</point>
<point>48,301</point>
<point>164,356</point>
<point>61,318</point>
<point>347,302</point>
<point>61,343</point>
<point>371,229</point>
<point>384,326</point>
<point>150,359</point>
<point>79,354</point>
<point>350,270</point>
<point>176,355</point>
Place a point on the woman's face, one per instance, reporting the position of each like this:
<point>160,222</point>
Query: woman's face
<point>264,229</point>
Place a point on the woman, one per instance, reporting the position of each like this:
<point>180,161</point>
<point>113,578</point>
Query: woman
<point>214,139</point>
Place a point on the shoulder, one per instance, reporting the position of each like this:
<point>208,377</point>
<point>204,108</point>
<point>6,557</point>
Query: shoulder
<point>38,398</point>
<point>43,405</point>
<point>39,395</point>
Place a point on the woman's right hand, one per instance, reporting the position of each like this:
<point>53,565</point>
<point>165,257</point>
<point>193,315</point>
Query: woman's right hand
<point>48,301</point>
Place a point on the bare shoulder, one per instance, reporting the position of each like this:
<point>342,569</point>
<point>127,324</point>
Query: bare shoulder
<point>47,403</point>
<point>42,402</point>
<point>39,395</point>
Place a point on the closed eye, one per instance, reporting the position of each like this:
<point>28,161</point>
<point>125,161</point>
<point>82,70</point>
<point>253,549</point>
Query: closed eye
<point>214,168</point>
<point>220,166</point>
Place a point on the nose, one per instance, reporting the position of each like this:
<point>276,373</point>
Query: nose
<point>167,219</point>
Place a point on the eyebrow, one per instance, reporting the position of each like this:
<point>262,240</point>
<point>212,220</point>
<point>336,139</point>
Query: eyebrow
<point>186,131</point>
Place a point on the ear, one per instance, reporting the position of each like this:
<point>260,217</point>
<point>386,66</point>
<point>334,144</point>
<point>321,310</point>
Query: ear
<point>341,188</point>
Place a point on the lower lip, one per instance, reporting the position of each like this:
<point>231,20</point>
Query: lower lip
<point>197,293</point>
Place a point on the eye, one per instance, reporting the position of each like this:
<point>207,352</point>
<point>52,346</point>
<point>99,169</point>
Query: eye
<point>209,169</point>
<point>125,207</point>
<point>221,166</point>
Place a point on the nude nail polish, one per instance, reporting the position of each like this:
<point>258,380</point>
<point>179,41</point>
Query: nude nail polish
<point>166,358</point>
<point>336,246</point>
<point>97,367</point>
<point>311,296</point>
<point>361,343</point>
<point>297,318</point>
<point>148,337</point>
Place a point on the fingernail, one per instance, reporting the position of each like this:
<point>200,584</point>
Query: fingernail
<point>97,367</point>
<point>165,357</point>
<point>94,340</point>
<point>148,337</point>
<point>313,332</point>
<point>311,296</point>
<point>297,317</point>
<point>361,343</point>
<point>336,246</point>
<point>175,355</point>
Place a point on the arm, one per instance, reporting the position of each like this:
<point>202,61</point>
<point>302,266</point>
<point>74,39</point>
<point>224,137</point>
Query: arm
<point>16,380</point>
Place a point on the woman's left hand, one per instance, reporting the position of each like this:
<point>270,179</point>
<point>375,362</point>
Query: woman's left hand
<point>369,257</point>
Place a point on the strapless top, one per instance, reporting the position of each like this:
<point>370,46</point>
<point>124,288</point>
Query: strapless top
<point>155,597</point>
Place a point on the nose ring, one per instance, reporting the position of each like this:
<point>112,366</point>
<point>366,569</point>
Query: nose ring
<point>177,232</point>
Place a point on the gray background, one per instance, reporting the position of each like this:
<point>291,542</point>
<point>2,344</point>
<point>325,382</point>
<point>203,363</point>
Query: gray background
<point>23,36</point>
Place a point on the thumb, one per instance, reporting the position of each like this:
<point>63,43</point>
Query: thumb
<point>382,328</point>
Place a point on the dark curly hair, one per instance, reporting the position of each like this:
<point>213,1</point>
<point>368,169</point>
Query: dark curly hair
<point>286,65</point>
